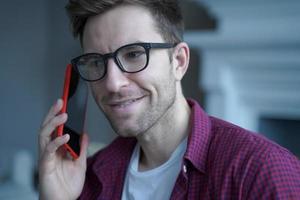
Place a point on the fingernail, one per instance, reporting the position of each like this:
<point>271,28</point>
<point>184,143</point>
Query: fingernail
<point>58,102</point>
<point>66,136</point>
<point>64,115</point>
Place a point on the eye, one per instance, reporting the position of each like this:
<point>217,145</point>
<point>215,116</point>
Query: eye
<point>93,62</point>
<point>131,53</point>
<point>134,54</point>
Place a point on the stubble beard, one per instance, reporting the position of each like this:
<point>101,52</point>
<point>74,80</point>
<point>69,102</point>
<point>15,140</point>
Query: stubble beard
<point>152,115</point>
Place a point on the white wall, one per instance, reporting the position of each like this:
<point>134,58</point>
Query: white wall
<point>251,64</point>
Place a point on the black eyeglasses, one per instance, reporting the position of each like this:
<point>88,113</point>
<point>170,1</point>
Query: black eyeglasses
<point>130,58</point>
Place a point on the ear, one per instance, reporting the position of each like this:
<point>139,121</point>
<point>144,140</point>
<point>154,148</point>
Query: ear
<point>181,58</point>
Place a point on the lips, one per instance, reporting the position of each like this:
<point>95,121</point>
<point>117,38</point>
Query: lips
<point>123,103</point>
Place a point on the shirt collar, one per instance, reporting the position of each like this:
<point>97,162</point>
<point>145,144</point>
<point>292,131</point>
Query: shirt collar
<point>199,137</point>
<point>116,155</point>
<point>197,147</point>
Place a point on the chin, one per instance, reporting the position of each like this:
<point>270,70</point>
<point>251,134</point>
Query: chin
<point>125,131</point>
<point>127,134</point>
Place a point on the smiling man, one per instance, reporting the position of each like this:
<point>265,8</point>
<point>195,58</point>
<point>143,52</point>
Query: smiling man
<point>134,59</point>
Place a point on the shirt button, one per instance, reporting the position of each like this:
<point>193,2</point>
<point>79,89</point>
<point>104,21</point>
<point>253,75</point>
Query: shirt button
<point>184,169</point>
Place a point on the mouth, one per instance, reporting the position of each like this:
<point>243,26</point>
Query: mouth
<point>124,103</point>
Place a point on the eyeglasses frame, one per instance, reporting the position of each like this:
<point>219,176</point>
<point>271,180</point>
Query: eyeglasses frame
<point>146,45</point>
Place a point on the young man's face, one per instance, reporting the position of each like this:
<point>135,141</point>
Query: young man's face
<point>132,102</point>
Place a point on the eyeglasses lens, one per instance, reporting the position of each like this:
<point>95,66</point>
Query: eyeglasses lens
<point>91,67</point>
<point>132,58</point>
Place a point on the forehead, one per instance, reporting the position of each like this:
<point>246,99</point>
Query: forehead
<point>119,26</point>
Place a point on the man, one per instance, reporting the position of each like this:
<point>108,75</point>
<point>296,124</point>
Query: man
<point>168,148</point>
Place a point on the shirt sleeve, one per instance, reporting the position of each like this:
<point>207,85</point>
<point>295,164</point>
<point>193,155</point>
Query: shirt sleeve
<point>277,178</point>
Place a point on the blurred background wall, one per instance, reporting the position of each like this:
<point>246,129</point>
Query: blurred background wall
<point>249,69</point>
<point>35,46</point>
<point>245,68</point>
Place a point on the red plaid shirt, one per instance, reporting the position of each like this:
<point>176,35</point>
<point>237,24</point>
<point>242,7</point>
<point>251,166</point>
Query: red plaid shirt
<point>222,161</point>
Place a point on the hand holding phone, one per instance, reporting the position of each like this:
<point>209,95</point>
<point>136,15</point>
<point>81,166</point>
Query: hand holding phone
<point>59,176</point>
<point>74,97</point>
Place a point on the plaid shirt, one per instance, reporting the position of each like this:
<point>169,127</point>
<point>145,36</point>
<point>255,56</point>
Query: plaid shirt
<point>222,161</point>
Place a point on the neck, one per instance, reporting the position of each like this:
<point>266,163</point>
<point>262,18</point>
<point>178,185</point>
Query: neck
<point>158,144</point>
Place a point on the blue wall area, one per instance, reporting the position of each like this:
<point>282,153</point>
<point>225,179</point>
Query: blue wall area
<point>35,45</point>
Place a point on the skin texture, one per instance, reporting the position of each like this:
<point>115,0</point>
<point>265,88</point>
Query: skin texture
<point>148,105</point>
<point>153,88</point>
<point>144,104</point>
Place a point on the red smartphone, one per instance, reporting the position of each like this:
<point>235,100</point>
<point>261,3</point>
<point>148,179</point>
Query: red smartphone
<point>75,94</point>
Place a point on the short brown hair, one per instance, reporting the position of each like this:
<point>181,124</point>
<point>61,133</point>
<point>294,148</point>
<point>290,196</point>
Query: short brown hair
<point>166,13</point>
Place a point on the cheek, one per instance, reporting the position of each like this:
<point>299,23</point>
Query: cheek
<point>158,82</point>
<point>159,72</point>
<point>159,66</point>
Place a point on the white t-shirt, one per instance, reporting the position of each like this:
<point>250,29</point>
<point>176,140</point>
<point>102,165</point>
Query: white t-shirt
<point>156,183</point>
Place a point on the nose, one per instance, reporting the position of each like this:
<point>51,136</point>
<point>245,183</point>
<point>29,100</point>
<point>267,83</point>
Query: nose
<point>115,79</point>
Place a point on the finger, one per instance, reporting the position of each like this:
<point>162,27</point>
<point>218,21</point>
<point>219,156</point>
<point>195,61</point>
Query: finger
<point>53,124</point>
<point>54,110</point>
<point>45,133</point>
<point>84,143</point>
<point>54,145</point>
